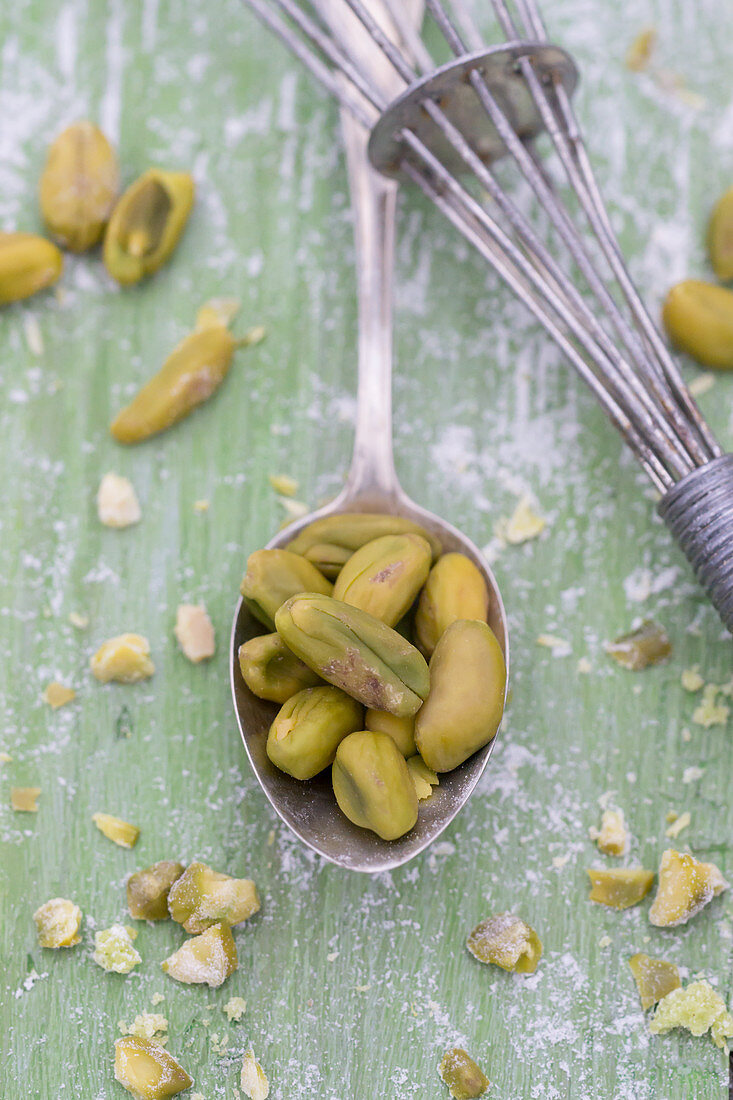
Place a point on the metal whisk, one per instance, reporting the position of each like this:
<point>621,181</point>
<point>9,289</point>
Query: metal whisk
<point>443,132</point>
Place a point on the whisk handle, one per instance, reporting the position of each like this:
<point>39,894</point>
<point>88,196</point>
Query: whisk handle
<point>699,512</point>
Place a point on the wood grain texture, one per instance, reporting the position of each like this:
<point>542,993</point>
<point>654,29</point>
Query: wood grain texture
<point>355,986</point>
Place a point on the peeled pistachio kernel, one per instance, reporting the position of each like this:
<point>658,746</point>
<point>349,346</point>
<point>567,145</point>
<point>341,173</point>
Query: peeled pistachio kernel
<point>114,828</point>
<point>720,236</point>
<point>506,941</point>
<point>308,729</point>
<point>57,923</point>
<point>654,978</point>
<point>252,1078</point>
<point>463,1077</point>
<point>385,575</point>
<point>147,890</point>
<point>273,576</point>
<point>619,887</point>
<point>685,887</point>
<point>114,949</point>
<point>698,1008</point>
<point>147,1070</point>
<point>207,959</point>
<point>466,701</point>
<point>79,186</point>
<point>699,319</point>
<point>202,897</point>
<point>455,589</point>
<point>146,224</point>
<point>329,542</point>
<point>271,671</point>
<point>355,652</point>
<point>422,776</point>
<point>401,730</point>
<point>373,786</point>
<point>647,645</point>
<point>27,264</point>
<point>125,659</point>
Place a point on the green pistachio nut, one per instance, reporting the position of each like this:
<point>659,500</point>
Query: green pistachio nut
<point>354,651</point>
<point>273,576</point>
<point>271,671</point>
<point>466,701</point>
<point>27,264</point>
<point>147,891</point>
<point>455,589</point>
<point>146,224</point>
<point>401,730</point>
<point>385,575</point>
<point>720,236</point>
<point>373,786</point>
<point>79,186</point>
<point>309,728</point>
<point>329,542</point>
<point>699,319</point>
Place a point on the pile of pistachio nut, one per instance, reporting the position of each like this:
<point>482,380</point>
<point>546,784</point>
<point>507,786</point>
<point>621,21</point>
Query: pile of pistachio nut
<point>356,606</point>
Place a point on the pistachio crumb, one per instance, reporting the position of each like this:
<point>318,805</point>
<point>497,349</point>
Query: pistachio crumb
<point>57,695</point>
<point>640,51</point>
<point>710,712</point>
<point>692,774</point>
<point>235,1009</point>
<point>117,503</point>
<point>147,1025</point>
<point>584,666</point>
<point>294,509</point>
<point>80,622</point>
<point>698,1008</point>
<point>57,923</point>
<point>194,632</point>
<point>701,384</point>
<point>612,837</point>
<point>283,484</point>
<point>558,862</point>
<point>114,950</point>
<point>686,735</point>
<point>678,825</point>
<point>691,679</point>
<point>201,506</point>
<point>523,524</point>
<point>5,758</point>
<point>114,828</point>
<point>33,335</point>
<point>24,799</point>
<point>253,1081</point>
<point>605,941</point>
<point>559,647</point>
<point>157,998</point>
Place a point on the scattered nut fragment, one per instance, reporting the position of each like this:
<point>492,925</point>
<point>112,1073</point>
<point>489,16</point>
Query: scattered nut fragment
<point>284,485</point>
<point>702,384</point>
<point>194,632</point>
<point>57,695</point>
<point>685,887</point>
<point>5,758</point>
<point>209,958</point>
<point>125,659</point>
<point>117,503</point>
<point>698,1008</point>
<point>423,777</point>
<point>114,949</point>
<point>647,645</point>
<point>253,1081</point>
<point>235,1008</point>
<point>710,712</point>
<point>79,622</point>
<point>202,897</point>
<point>33,335</point>
<point>465,1080</point>
<point>147,890</point>
<point>147,1070</point>
<point>201,506</point>
<point>507,941</point>
<point>678,824</point>
<point>720,237</point>
<point>524,524</point>
<point>58,922</point>
<point>620,887</point>
<point>691,679</point>
<point>654,978</point>
<point>121,832</point>
<point>640,51</point>
<point>613,836</point>
<point>148,1025</point>
<point>24,799</point>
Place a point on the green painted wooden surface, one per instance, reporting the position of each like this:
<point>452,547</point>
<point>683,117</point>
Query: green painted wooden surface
<point>354,985</point>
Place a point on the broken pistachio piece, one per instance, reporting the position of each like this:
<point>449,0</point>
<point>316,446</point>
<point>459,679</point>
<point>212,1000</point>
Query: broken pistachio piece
<point>612,838</point>
<point>27,264</point>
<point>202,897</point>
<point>699,319</point>
<point>57,923</point>
<point>373,785</point>
<point>385,575</point>
<point>654,978</point>
<point>620,887</point>
<point>354,651</point>
<point>117,503</point>
<point>252,1079</point>
<point>194,632</point>
<point>206,959</point>
<point>698,1008</point>
<point>58,695</point>
<point>423,777</point>
<point>647,645</point>
<point>146,224</point>
<point>114,949</point>
<point>273,576</point>
<point>79,186</point>
<point>125,659</point>
<point>147,1070</point>
<point>466,701</point>
<point>330,541</point>
<point>114,828</point>
<point>401,730</point>
<point>455,589</point>
<point>720,236</point>
<point>507,941</point>
<point>465,1080</point>
<point>309,728</point>
<point>685,887</point>
<point>24,799</point>
<point>147,890</point>
<point>271,671</point>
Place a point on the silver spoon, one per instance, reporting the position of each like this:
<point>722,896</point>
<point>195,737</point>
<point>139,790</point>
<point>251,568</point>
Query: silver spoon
<point>310,809</point>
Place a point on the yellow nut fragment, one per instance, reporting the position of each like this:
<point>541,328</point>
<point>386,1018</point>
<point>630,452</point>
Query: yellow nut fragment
<point>206,959</point>
<point>147,890</point>
<point>620,887</point>
<point>654,978</point>
<point>114,949</point>
<point>194,632</point>
<point>506,941</point>
<point>117,503</point>
<point>57,695</point>
<point>640,50</point>
<point>252,1079</point>
<point>401,730</point>
<point>57,923</point>
<point>523,524</point>
<point>698,1008</point>
<point>148,1025</point>
<point>27,264</point>
<point>125,659</point>
<point>685,887</point>
<point>423,777</point>
<point>121,832</point>
<point>283,484</point>
<point>217,311</point>
<point>235,1009</point>
<point>699,319</point>
<point>647,645</point>
<point>79,186</point>
<point>465,1080</point>
<point>720,236</point>
<point>691,679</point>
<point>147,1070</point>
<point>613,837</point>
<point>146,224</point>
<point>24,799</point>
<point>202,897</point>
